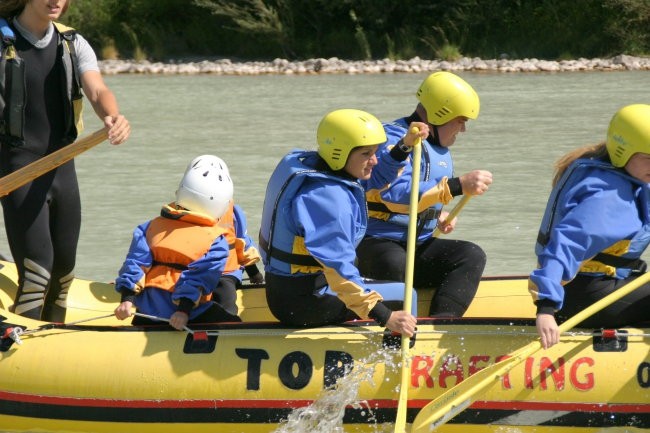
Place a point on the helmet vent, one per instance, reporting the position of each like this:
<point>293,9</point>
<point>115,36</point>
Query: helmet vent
<point>442,112</point>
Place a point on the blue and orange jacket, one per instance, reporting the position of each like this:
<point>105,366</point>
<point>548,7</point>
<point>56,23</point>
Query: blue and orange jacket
<point>180,254</point>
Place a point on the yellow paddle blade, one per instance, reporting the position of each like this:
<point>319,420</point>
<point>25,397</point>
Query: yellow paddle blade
<point>49,162</point>
<point>461,396</point>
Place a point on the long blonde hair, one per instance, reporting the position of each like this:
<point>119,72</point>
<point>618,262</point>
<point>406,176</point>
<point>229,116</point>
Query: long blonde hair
<point>592,151</point>
<point>11,8</point>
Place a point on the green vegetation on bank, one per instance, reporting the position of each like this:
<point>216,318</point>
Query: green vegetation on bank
<point>363,29</point>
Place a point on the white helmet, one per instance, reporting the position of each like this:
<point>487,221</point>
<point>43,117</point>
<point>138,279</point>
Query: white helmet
<point>206,186</point>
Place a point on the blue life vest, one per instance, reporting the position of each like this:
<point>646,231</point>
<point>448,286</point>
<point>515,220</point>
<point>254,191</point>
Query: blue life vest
<point>277,239</point>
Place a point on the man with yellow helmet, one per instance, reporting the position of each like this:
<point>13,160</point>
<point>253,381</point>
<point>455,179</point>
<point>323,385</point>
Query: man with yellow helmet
<point>313,218</point>
<point>595,229</point>
<point>453,267</point>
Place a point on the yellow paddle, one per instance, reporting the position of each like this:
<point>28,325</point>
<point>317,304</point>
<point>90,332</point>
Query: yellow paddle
<point>400,420</point>
<point>458,398</point>
<point>453,214</point>
<point>49,162</point>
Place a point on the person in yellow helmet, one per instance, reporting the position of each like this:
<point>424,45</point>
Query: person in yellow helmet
<point>595,229</point>
<point>453,267</point>
<point>313,218</point>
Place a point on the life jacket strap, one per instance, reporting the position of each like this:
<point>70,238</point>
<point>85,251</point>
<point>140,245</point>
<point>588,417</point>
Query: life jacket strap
<point>290,258</point>
<point>636,265</point>
<point>177,266</point>
<point>8,36</point>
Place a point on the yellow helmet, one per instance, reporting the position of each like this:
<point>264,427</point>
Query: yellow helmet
<point>340,131</point>
<point>445,96</point>
<point>628,133</point>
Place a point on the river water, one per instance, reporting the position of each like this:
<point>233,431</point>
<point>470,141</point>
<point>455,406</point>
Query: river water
<point>526,122</point>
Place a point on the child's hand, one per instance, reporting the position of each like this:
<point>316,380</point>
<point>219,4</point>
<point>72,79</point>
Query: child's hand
<point>179,320</point>
<point>124,310</point>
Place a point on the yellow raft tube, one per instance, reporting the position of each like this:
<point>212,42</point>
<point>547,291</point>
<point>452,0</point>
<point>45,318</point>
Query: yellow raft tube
<point>99,375</point>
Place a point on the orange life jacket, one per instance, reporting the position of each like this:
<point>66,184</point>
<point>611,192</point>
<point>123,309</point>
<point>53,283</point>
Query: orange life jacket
<point>176,239</point>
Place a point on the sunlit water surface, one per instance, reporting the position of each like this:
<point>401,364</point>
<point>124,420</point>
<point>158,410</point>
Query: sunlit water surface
<point>526,122</point>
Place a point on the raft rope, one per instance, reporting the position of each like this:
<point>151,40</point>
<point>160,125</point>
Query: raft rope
<point>160,319</point>
<point>355,331</point>
<point>16,332</point>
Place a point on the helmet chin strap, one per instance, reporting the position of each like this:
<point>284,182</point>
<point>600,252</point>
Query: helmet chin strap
<point>434,137</point>
<point>420,115</point>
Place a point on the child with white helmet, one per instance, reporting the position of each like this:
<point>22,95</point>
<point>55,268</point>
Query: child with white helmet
<point>176,260</point>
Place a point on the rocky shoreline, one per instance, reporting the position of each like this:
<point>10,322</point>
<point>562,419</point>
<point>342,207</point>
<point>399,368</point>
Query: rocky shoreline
<point>337,66</point>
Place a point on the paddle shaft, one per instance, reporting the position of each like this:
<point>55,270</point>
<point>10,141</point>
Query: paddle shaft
<point>453,214</point>
<point>411,243</point>
<point>160,319</point>
<point>49,162</point>
<point>461,396</point>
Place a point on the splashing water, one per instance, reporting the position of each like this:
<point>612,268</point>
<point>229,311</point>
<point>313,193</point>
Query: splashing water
<point>325,414</point>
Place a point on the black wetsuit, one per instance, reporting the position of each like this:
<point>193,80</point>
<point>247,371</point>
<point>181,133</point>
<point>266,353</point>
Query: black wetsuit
<point>452,267</point>
<point>43,217</point>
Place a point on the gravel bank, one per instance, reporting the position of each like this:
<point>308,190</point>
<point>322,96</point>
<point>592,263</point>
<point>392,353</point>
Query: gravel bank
<point>338,66</point>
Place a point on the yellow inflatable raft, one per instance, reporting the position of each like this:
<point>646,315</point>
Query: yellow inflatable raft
<point>96,374</point>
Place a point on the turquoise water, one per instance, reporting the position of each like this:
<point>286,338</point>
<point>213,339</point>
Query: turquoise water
<point>526,122</point>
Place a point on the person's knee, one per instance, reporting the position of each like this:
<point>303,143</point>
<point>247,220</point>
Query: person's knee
<point>475,254</point>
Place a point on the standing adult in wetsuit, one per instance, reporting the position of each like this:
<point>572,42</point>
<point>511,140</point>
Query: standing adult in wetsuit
<point>42,72</point>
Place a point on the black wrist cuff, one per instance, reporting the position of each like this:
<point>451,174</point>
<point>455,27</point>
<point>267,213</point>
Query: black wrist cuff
<point>455,188</point>
<point>127,295</point>
<point>398,153</point>
<point>252,270</point>
<point>546,306</point>
<point>380,313</point>
<point>185,305</point>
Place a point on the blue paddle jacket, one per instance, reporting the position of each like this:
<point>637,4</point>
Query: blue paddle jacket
<point>388,204</point>
<point>312,222</point>
<point>597,222</point>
